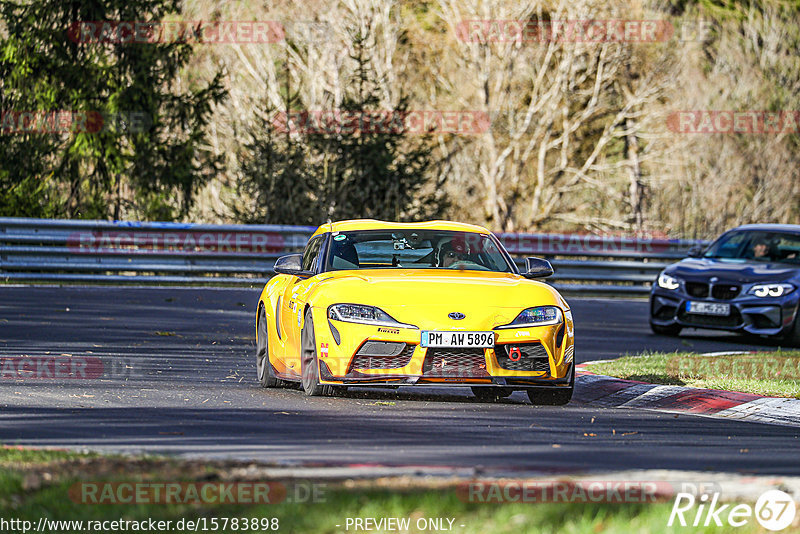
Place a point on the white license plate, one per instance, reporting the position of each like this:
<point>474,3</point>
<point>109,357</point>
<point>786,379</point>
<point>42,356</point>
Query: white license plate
<point>457,339</point>
<point>708,308</point>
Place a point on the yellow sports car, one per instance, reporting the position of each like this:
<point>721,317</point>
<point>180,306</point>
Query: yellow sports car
<point>373,303</point>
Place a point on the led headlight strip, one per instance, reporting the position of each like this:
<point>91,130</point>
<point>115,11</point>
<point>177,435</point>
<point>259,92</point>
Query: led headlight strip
<point>771,290</point>
<point>668,282</point>
<point>363,314</point>
<point>538,316</point>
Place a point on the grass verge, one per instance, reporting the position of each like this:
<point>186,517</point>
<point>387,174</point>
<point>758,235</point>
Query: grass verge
<point>35,484</point>
<point>774,374</point>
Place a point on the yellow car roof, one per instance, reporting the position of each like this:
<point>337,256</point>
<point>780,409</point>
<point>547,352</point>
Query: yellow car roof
<point>372,224</point>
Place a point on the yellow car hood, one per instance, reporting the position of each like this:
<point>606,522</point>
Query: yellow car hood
<point>429,295</point>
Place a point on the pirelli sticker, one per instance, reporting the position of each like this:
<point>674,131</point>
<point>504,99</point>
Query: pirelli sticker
<point>384,330</point>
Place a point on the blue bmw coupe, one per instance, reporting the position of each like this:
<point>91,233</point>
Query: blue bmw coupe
<point>745,281</point>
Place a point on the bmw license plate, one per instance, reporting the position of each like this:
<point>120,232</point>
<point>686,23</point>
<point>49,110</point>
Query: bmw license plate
<point>708,308</point>
<point>457,339</point>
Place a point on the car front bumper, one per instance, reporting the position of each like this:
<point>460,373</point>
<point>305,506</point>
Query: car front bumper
<point>524,357</point>
<point>754,315</point>
<point>392,380</point>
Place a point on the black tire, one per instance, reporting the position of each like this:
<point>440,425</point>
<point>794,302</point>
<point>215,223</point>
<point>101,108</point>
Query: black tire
<point>553,397</point>
<point>266,377</point>
<point>671,330</point>
<point>491,393</point>
<point>309,365</point>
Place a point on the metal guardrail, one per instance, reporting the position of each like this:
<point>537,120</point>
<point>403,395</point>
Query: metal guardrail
<point>40,250</point>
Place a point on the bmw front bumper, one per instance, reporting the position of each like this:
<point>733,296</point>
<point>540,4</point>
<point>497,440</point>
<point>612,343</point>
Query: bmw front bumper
<point>754,315</point>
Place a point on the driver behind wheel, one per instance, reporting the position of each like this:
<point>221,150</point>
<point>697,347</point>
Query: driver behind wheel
<point>761,249</point>
<point>452,252</point>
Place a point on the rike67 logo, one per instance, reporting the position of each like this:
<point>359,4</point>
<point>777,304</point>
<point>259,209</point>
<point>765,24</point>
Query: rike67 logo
<point>774,510</point>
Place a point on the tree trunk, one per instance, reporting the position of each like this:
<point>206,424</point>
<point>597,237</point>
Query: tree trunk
<point>636,188</point>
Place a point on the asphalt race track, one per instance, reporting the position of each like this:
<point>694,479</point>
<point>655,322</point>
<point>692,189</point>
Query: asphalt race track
<point>178,376</point>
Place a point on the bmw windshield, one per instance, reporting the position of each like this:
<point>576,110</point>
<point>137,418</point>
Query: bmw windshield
<point>416,249</point>
<point>757,245</point>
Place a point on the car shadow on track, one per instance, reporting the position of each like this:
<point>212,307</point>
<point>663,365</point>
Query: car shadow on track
<point>738,342</point>
<point>445,395</point>
<point>437,394</point>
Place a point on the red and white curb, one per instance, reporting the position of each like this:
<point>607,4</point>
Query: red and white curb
<point>617,393</point>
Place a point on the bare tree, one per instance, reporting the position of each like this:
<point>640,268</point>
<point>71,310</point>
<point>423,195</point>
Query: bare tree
<point>559,106</point>
<point>578,136</point>
<point>723,179</point>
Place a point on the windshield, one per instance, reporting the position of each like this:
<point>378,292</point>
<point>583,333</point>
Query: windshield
<point>757,245</point>
<point>415,249</point>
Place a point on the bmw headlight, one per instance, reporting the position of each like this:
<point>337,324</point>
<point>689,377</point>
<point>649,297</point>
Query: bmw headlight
<point>668,282</point>
<point>360,313</point>
<point>539,316</point>
<point>771,290</point>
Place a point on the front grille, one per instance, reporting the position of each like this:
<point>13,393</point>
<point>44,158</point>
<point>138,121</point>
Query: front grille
<point>697,289</point>
<point>725,291</point>
<point>382,357</point>
<point>455,363</point>
<point>532,357</point>
<point>732,320</point>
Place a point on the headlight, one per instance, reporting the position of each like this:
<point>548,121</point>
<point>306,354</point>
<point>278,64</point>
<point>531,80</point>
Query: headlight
<point>771,290</point>
<point>668,282</point>
<point>359,313</point>
<point>539,316</point>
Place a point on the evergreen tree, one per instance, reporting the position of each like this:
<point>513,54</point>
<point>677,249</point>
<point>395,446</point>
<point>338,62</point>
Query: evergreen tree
<point>275,188</point>
<point>373,173</point>
<point>308,177</point>
<point>157,156</point>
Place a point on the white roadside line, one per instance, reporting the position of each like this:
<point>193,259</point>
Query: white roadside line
<point>595,361</point>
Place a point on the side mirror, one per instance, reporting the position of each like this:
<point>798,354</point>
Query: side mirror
<point>291,265</point>
<point>537,268</point>
<point>695,252</point>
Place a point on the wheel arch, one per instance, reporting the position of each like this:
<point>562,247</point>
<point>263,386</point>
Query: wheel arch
<point>306,308</point>
<point>259,308</point>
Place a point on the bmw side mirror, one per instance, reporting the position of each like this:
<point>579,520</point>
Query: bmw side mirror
<point>537,268</point>
<point>695,252</point>
<point>291,264</point>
